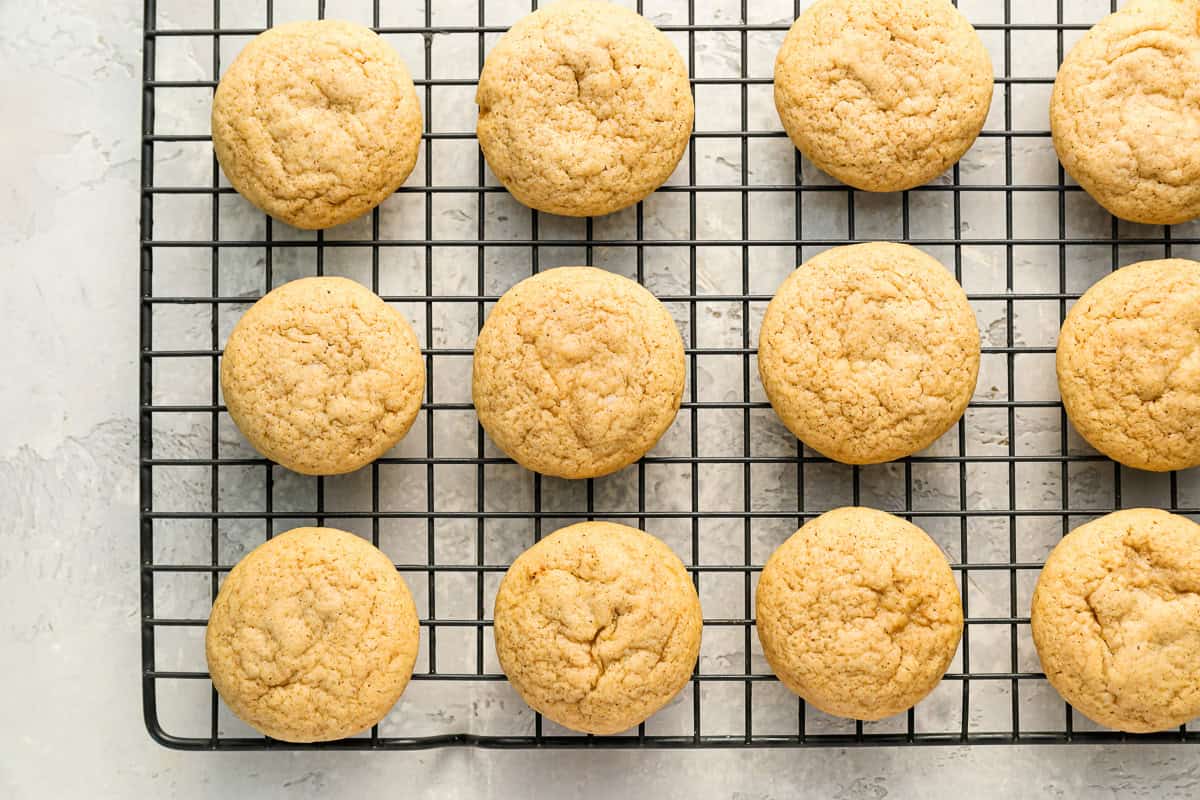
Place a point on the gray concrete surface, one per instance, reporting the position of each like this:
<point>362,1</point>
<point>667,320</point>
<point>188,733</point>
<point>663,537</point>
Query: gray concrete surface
<point>71,721</point>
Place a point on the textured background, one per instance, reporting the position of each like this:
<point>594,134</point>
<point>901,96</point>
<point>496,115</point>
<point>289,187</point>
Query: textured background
<point>68,545</point>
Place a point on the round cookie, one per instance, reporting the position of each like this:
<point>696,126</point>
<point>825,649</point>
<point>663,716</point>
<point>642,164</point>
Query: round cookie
<point>858,613</point>
<point>869,352</point>
<point>883,96</point>
<point>577,372</point>
<point>322,376</point>
<point>597,626</point>
<point>1116,620</point>
<point>313,636</point>
<point>1129,365</point>
<point>584,108</point>
<point>316,123</point>
<point>1125,112</point>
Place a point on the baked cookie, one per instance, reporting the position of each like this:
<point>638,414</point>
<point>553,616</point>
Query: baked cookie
<point>316,123</point>
<point>597,626</point>
<point>584,108</point>
<point>577,372</point>
<point>1125,112</point>
<point>1116,620</point>
<point>313,636</point>
<point>1129,365</point>
<point>859,614</point>
<point>322,376</point>
<point>883,95</point>
<point>869,352</point>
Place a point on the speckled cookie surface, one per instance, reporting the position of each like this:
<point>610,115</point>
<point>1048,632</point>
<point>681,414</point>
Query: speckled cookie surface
<point>313,636</point>
<point>859,614</point>
<point>316,123</point>
<point>1125,112</point>
<point>322,376</point>
<point>869,352</point>
<point>1129,365</point>
<point>598,626</point>
<point>1116,620</point>
<point>577,372</point>
<point>584,108</point>
<point>883,95</point>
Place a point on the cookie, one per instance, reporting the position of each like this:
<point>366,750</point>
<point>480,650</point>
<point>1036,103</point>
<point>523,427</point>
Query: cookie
<point>316,123</point>
<point>869,352</point>
<point>883,95</point>
<point>313,636</point>
<point>597,626</point>
<point>1116,620</point>
<point>577,372</point>
<point>1129,365</point>
<point>322,376</point>
<point>859,614</point>
<point>1125,112</point>
<point>584,108</point>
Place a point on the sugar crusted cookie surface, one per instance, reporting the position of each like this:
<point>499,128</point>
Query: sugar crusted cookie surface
<point>313,636</point>
<point>316,122</point>
<point>1129,365</point>
<point>1116,620</point>
<point>858,613</point>
<point>1125,113</point>
<point>869,352</point>
<point>598,626</point>
<point>883,95</point>
<point>322,376</point>
<point>577,372</point>
<point>584,108</point>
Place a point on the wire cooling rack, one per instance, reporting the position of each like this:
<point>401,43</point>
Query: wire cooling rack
<point>727,483</point>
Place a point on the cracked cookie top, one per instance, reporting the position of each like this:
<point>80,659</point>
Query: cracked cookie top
<point>1116,620</point>
<point>584,108</point>
<point>313,636</point>
<point>322,376</point>
<point>597,626</point>
<point>883,95</point>
<point>577,372</point>
<point>316,123</point>
<point>858,613</point>
<point>1125,112</point>
<point>869,352</point>
<point>1129,365</point>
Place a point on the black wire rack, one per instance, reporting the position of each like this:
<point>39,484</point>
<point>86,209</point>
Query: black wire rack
<point>996,501</point>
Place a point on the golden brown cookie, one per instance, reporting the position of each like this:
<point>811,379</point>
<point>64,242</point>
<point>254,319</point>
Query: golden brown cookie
<point>313,636</point>
<point>859,614</point>
<point>597,626</point>
<point>1129,365</point>
<point>1125,112</point>
<point>883,95</point>
<point>322,376</point>
<point>577,372</point>
<point>584,108</point>
<point>1116,620</point>
<point>869,352</point>
<point>316,123</point>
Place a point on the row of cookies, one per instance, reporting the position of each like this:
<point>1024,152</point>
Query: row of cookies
<point>314,634</point>
<point>867,353</point>
<point>585,108</point>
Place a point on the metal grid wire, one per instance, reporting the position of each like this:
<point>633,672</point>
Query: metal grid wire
<point>993,692</point>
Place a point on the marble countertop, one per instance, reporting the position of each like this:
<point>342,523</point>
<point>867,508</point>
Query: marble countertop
<point>69,641</point>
